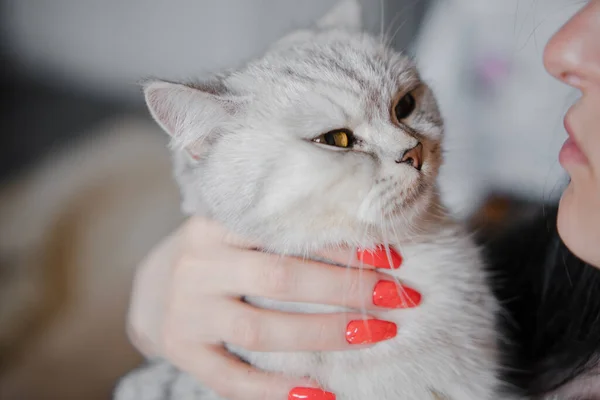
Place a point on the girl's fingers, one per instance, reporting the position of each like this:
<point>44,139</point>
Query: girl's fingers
<point>295,280</point>
<point>257,329</point>
<point>233,379</point>
<point>203,270</point>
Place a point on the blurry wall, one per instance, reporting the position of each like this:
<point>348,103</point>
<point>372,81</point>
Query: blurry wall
<point>107,46</point>
<point>70,63</point>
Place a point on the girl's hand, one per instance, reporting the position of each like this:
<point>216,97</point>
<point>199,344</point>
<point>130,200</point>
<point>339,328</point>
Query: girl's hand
<point>187,302</point>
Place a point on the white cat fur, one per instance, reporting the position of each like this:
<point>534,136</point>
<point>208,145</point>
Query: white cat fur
<point>244,157</point>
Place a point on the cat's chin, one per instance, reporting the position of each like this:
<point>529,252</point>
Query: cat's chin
<point>403,221</point>
<point>295,233</point>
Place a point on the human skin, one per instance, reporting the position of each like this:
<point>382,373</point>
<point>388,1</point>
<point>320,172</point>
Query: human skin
<point>573,57</point>
<point>202,271</point>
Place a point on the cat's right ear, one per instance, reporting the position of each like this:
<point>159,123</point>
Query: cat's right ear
<point>346,15</point>
<point>189,115</point>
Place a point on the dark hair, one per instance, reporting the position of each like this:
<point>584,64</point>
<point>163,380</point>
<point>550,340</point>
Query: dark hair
<point>551,302</point>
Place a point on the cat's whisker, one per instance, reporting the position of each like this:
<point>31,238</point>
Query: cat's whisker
<point>403,294</point>
<point>382,16</point>
<point>385,38</point>
<point>396,236</point>
<point>390,39</point>
<point>406,7</point>
<point>361,267</point>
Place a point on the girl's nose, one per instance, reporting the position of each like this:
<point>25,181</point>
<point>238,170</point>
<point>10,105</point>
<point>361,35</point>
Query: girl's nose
<point>573,53</point>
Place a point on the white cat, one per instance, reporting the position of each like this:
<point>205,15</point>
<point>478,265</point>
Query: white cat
<point>332,138</point>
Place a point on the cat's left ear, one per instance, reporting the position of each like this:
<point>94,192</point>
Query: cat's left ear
<point>189,115</point>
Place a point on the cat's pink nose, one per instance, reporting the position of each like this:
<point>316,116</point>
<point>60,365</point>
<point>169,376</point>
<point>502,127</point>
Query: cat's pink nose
<point>413,157</point>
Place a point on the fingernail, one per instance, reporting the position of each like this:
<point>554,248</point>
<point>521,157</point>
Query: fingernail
<point>370,331</point>
<point>379,259</point>
<point>310,394</point>
<point>390,294</point>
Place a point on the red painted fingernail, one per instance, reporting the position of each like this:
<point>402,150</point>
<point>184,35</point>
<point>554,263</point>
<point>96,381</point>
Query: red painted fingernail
<point>310,394</point>
<point>390,294</point>
<point>370,331</point>
<point>379,259</point>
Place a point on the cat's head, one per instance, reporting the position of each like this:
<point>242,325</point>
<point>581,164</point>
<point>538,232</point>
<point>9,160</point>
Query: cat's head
<point>330,137</point>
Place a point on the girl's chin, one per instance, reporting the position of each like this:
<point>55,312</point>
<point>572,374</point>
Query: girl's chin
<point>565,218</point>
<point>576,227</point>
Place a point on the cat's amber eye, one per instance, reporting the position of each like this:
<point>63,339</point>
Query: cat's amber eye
<point>404,106</point>
<point>342,138</point>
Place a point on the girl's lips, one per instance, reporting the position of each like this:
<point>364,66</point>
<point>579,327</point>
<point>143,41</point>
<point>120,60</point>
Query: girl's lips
<point>570,153</point>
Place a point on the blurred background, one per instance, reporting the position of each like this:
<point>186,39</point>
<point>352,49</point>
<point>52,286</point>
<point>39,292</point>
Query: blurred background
<point>85,181</point>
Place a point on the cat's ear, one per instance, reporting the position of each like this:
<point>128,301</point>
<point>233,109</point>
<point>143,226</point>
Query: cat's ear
<point>189,115</point>
<point>346,15</point>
